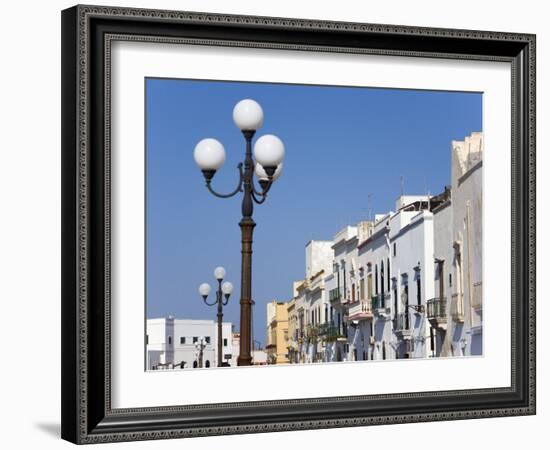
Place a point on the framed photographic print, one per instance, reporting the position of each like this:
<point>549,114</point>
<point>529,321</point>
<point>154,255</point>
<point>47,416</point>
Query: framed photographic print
<point>283,224</point>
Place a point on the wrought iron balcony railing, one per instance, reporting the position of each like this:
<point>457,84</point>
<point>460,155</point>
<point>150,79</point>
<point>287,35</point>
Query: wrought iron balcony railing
<point>437,309</point>
<point>329,332</point>
<point>334,295</point>
<point>402,322</point>
<point>378,301</point>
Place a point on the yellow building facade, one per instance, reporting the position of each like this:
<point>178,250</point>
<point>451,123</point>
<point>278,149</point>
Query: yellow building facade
<point>277,333</point>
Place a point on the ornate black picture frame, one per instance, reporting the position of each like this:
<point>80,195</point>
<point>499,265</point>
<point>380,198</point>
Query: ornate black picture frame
<point>87,33</point>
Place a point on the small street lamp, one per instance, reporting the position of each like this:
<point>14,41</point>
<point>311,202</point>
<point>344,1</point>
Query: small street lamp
<point>267,165</point>
<point>224,291</point>
<point>199,346</point>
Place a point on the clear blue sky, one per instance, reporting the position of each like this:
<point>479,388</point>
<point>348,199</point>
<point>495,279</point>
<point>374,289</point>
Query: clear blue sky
<point>341,145</point>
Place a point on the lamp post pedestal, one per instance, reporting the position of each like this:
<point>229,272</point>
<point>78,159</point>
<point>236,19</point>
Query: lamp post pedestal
<point>247,228</point>
<point>220,321</point>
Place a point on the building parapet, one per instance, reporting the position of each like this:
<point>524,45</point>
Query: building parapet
<point>344,235</point>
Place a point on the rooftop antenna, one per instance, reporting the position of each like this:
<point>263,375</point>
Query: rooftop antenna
<point>426,192</point>
<point>402,181</point>
<point>425,186</point>
<point>369,200</point>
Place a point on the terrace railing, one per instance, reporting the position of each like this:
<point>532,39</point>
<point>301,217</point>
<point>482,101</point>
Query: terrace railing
<point>437,311</point>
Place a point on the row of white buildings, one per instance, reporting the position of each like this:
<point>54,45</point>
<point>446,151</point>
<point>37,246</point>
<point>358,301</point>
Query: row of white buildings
<point>406,285</point>
<point>190,344</point>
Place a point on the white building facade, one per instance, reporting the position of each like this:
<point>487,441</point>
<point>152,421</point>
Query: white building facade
<point>311,303</point>
<point>185,344</point>
<point>457,311</point>
<point>406,285</point>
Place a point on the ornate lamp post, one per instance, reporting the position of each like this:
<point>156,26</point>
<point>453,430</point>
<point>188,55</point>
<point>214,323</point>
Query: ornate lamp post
<point>224,291</point>
<point>267,165</point>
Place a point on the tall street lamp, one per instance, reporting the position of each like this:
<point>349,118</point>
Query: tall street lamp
<point>224,291</point>
<point>269,152</point>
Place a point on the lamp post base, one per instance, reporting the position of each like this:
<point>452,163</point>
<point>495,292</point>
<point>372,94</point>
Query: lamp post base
<point>244,361</point>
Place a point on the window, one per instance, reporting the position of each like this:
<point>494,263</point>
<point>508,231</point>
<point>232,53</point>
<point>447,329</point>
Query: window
<point>395,249</point>
<point>395,299</point>
<point>389,274</point>
<point>225,342</point>
<point>405,299</point>
<point>441,279</point>
<point>169,340</point>
<point>362,289</point>
<point>195,339</point>
<point>376,279</point>
<point>353,292</point>
<point>451,280</point>
<point>383,350</point>
<point>207,339</point>
<point>207,363</point>
<point>182,340</point>
<point>418,289</point>
<point>195,364</point>
<point>147,339</point>
<point>382,277</point>
<point>369,286</point>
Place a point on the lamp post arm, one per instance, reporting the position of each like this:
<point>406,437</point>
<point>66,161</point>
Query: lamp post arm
<point>264,191</point>
<point>258,198</point>
<point>210,304</point>
<point>238,189</point>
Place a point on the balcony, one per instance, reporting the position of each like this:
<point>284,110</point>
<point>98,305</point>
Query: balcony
<point>329,332</point>
<point>437,312</point>
<point>361,310</point>
<point>312,333</point>
<point>381,304</point>
<point>477,298</point>
<point>334,295</point>
<point>378,302</point>
<point>402,324</point>
<point>457,307</point>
